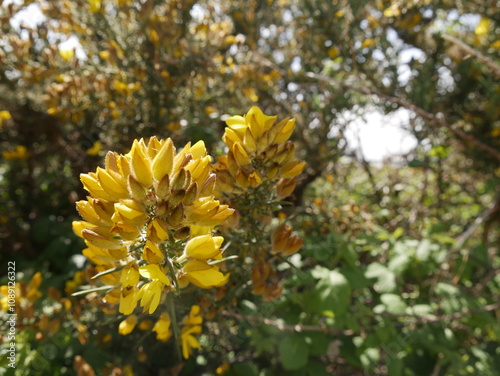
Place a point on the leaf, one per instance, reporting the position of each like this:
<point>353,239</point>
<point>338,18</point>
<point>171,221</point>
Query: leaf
<point>421,309</point>
<point>398,233</point>
<point>243,369</point>
<point>320,272</point>
<point>400,263</point>
<point>293,351</point>
<point>332,293</point>
<point>370,357</point>
<point>393,303</point>
<point>318,343</point>
<point>386,280</point>
<point>423,250</point>
<point>316,367</point>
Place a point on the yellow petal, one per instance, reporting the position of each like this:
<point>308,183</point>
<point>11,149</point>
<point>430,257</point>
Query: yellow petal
<point>99,238</point>
<point>141,165</point>
<point>203,247</point>
<point>164,161</point>
<point>292,168</point>
<point>202,275</point>
<point>154,272</point>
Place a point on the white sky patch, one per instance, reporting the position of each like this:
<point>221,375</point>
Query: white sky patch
<point>31,17</point>
<point>379,135</point>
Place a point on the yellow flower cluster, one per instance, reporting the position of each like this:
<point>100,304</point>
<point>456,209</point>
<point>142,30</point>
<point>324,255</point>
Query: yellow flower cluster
<point>259,151</point>
<point>148,222</point>
<point>19,152</point>
<point>191,326</point>
<point>22,296</point>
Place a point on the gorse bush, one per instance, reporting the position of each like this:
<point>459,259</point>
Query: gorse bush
<point>209,243</point>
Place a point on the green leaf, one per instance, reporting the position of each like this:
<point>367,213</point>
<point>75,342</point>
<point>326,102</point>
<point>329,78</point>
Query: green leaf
<point>243,369</point>
<point>293,351</point>
<point>316,368</point>
<point>421,309</point>
<point>423,250</point>
<point>393,303</point>
<point>386,280</point>
<point>320,272</point>
<point>370,357</point>
<point>397,233</point>
<point>394,366</point>
<point>318,343</point>
<point>399,263</point>
<point>332,293</point>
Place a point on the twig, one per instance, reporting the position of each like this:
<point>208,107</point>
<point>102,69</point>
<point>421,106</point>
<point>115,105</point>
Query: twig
<point>478,221</point>
<point>283,327</point>
<point>494,67</point>
<point>426,319</point>
<point>434,119</point>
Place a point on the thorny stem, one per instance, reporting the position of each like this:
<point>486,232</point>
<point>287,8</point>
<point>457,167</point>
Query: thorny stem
<point>175,326</point>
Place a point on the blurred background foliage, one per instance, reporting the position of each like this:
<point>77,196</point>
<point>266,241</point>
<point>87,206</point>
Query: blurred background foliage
<point>399,270</point>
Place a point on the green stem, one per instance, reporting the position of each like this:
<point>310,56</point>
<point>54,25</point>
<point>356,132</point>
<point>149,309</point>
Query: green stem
<point>173,276</point>
<point>175,325</point>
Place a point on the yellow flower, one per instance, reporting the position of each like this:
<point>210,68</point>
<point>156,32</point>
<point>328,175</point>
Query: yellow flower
<point>162,327</point>
<point>142,206</point>
<point>188,340</point>
<point>32,293</point>
<point>259,151</point>
<point>128,300</point>
<point>95,149</point>
<point>201,274</point>
<point>19,152</point>
<point>67,55</point>
<point>4,116</point>
<point>145,325</point>
<point>130,275</point>
<point>194,317</point>
<point>202,247</point>
<point>127,325</point>
<point>150,295</point>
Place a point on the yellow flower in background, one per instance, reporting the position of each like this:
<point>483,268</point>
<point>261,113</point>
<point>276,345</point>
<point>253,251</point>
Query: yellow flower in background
<point>194,317</point>
<point>189,341</point>
<point>162,327</point>
<point>19,152</point>
<point>95,149</point>
<point>259,151</point>
<point>95,5</point>
<point>127,325</point>
<point>67,55</point>
<point>191,327</point>
<point>4,116</point>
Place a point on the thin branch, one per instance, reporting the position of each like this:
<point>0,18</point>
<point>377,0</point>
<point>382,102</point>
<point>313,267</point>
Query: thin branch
<point>477,222</point>
<point>283,327</point>
<point>426,319</point>
<point>494,67</point>
<point>432,118</point>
